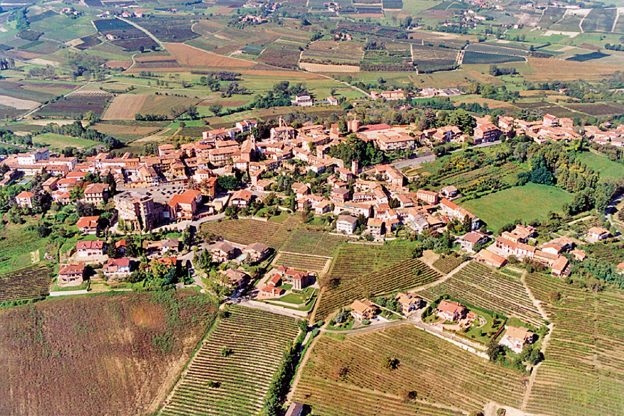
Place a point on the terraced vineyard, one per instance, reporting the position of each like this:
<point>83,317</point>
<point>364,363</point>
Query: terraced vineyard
<point>217,383</point>
<point>30,283</point>
<point>584,366</point>
<point>403,275</point>
<point>302,261</point>
<point>481,286</point>
<point>247,231</point>
<point>348,377</point>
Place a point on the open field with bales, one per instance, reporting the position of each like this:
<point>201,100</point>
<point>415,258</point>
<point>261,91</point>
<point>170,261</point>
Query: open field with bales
<point>128,333</point>
<point>232,371</point>
<point>526,203</point>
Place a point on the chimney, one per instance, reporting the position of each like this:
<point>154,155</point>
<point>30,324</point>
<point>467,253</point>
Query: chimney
<point>355,167</point>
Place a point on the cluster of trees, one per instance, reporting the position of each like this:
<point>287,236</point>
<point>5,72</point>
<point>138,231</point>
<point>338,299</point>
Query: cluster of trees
<point>356,149</point>
<point>46,72</point>
<point>83,64</point>
<point>497,71</point>
<point>614,46</point>
<point>76,129</point>
<point>280,95</point>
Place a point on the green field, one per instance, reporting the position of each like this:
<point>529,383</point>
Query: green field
<point>608,169</point>
<point>20,247</point>
<point>59,141</point>
<point>525,203</point>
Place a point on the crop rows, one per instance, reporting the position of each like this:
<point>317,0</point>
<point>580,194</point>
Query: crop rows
<point>439,372</point>
<point>482,287</point>
<point>446,264</point>
<point>218,383</point>
<point>247,231</point>
<point>30,283</point>
<point>353,260</point>
<point>312,242</point>
<point>611,252</point>
<point>585,356</point>
<point>403,275</point>
<point>302,262</point>
<point>467,180</point>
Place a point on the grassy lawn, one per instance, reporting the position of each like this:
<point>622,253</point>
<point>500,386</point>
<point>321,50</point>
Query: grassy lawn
<point>17,242</point>
<point>59,141</point>
<point>608,169</point>
<point>525,203</point>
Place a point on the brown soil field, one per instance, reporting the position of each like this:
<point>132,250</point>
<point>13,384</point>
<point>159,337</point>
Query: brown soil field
<point>105,354</point>
<point>18,103</point>
<point>545,69</point>
<point>124,107</point>
<point>122,129</point>
<point>192,57</point>
<point>162,104</point>
<point>328,68</point>
<point>119,64</point>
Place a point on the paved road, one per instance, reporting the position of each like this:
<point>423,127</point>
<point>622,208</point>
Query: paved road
<point>404,163</point>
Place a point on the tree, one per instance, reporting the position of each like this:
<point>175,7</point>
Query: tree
<point>392,363</point>
<point>540,172</point>
<point>228,182</point>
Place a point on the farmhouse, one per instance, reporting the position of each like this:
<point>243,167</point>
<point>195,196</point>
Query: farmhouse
<point>454,211</point>
<point>470,240</point>
<point>507,247</point>
<point>223,251</point>
<point>90,248</point>
<point>24,199</point>
<point>559,268</point>
<point>96,193</point>
<point>71,275</point>
<point>241,198</point>
<point>236,278</point>
<point>451,311</point>
<point>393,95</point>
<point>346,224</point>
<point>375,227</point>
<point>429,197</point>
<point>363,310</point>
<point>256,252</point>
<point>88,225</point>
<point>595,234</point>
<point>271,288</point>
<point>486,132</point>
<point>116,269</point>
<point>184,206</point>
<point>515,338</point>
<point>491,259</point>
<point>409,302</point>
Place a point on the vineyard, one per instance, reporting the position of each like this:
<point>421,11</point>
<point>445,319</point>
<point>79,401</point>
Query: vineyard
<point>611,252</point>
<point>438,372</point>
<point>354,260</point>
<point>402,275</point>
<point>584,363</point>
<point>447,264</point>
<point>232,371</point>
<point>29,283</point>
<point>247,231</point>
<point>484,288</point>
<point>319,243</point>
<point>302,261</point>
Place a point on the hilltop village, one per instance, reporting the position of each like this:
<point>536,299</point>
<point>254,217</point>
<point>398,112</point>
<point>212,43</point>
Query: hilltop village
<point>229,173</point>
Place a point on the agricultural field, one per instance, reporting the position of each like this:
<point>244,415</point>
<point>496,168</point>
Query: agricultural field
<point>25,284</point>
<point>60,142</point>
<point>125,35</point>
<point>247,231</point>
<point>434,58</point>
<point>489,58</point>
<point>312,263</point>
<point>583,366</point>
<point>76,105</point>
<point>607,168</point>
<point>526,203</point>
<point>611,252</point>
<point>480,286</point>
<point>392,57</point>
<point>402,275</point>
<point>20,246</point>
<point>354,366</point>
<point>319,243</point>
<point>189,56</point>
<point>129,131</point>
<point>127,333</point>
<point>281,54</point>
<point>168,28</point>
<point>236,382</point>
<point>598,109</point>
<point>600,20</point>
<point>333,53</point>
<point>447,263</point>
